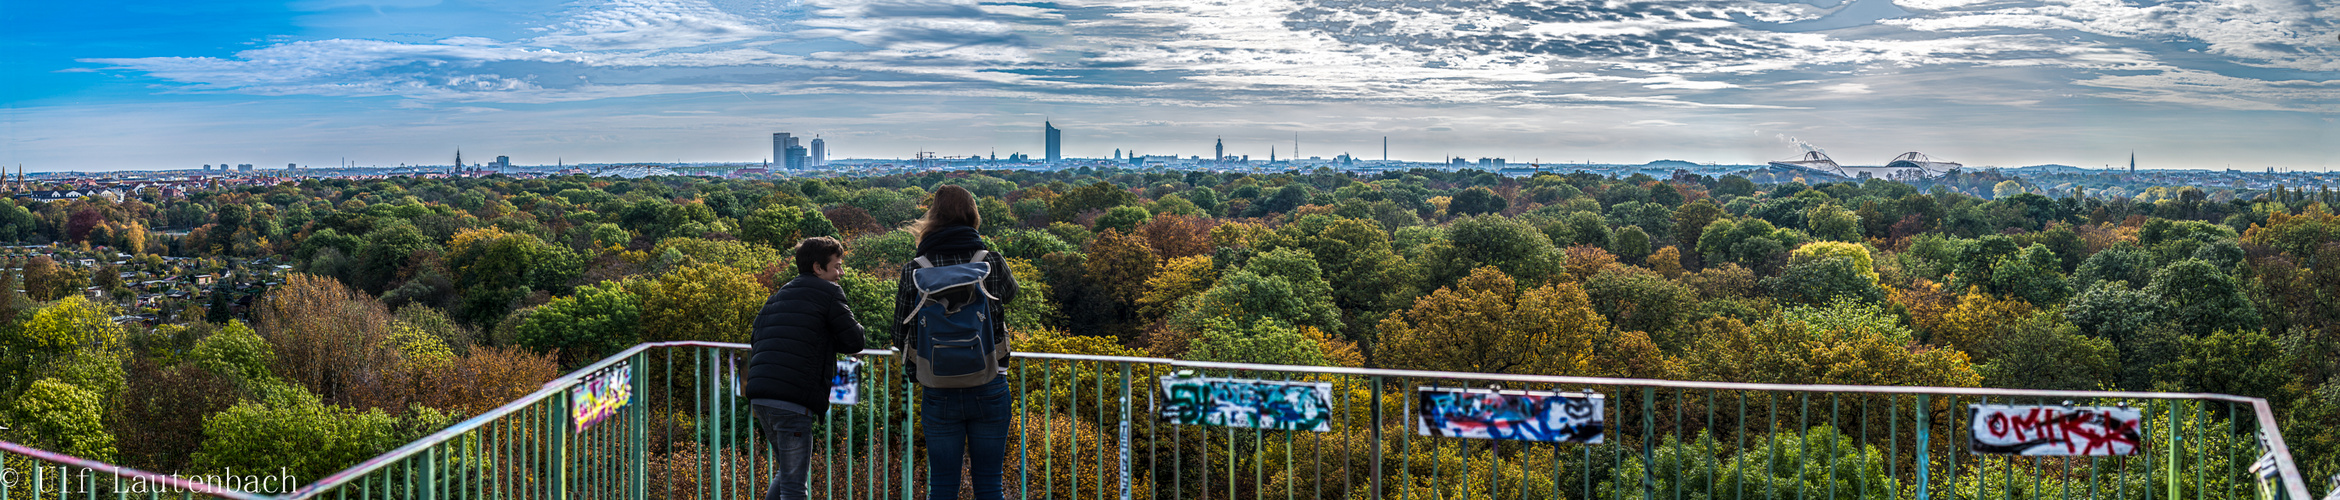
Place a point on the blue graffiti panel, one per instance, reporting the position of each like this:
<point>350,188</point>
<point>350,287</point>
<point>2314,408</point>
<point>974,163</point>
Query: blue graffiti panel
<point>1248,403</point>
<point>1513,415</point>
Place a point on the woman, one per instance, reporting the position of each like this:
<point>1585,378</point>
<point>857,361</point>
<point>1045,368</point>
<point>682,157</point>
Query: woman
<point>970,422</point>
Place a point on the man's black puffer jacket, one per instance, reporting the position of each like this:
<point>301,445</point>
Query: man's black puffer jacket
<point>796,339</point>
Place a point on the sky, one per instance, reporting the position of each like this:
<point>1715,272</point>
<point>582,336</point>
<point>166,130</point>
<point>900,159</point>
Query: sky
<point>139,84</point>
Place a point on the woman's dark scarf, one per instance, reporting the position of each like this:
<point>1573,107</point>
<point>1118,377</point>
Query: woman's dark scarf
<point>951,240</point>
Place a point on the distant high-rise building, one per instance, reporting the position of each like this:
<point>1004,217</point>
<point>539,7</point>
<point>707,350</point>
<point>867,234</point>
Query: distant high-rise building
<point>781,143</point>
<point>2132,162</point>
<point>503,162</point>
<point>1116,154</point>
<point>794,157</point>
<point>820,152</point>
<point>243,167</point>
<point>1055,141</point>
<point>207,167</point>
<point>290,166</point>
<point>1219,150</point>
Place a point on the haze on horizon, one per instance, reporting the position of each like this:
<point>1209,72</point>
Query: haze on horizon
<point>145,85</point>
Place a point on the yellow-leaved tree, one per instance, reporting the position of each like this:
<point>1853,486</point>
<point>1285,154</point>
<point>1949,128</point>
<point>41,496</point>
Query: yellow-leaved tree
<point>1485,324</point>
<point>700,302</point>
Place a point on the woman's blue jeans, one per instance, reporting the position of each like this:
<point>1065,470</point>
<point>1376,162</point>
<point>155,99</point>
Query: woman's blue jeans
<point>971,423</point>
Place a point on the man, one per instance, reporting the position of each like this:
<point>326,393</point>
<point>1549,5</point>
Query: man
<point>796,339</point>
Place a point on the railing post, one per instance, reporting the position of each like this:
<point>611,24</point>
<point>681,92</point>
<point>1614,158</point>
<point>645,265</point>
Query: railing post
<point>560,447</point>
<point>1923,432</point>
<point>909,426</point>
<point>2174,436</point>
<point>429,483</point>
<point>640,434</point>
<point>1376,494</point>
<point>1125,420</point>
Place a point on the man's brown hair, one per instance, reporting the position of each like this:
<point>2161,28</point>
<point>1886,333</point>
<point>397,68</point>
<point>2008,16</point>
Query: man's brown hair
<point>813,252</point>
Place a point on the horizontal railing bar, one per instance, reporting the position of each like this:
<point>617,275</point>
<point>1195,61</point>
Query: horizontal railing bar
<point>1684,384</point>
<point>120,471</point>
<point>549,389</point>
<point>2265,416</point>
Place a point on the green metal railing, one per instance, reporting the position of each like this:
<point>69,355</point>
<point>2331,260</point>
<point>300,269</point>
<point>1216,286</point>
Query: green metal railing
<point>1090,427</point>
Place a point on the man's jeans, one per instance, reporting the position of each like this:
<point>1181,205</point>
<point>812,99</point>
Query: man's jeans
<point>973,422</point>
<point>791,436</point>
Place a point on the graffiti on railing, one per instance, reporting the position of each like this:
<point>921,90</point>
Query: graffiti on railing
<point>1248,403</point>
<point>845,385</point>
<point>1517,415</point>
<point>601,395</point>
<point>2050,430</point>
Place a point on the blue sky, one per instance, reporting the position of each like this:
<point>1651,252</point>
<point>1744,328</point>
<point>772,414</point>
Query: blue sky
<point>2184,83</point>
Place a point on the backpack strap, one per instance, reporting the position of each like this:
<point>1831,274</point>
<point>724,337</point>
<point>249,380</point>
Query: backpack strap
<point>922,262</point>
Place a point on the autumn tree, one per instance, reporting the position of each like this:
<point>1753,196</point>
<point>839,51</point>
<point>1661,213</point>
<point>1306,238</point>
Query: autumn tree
<point>1841,343</point>
<point>331,340</point>
<point>1174,235</point>
<point>710,302</point>
<point>1119,264</point>
<point>1485,324</point>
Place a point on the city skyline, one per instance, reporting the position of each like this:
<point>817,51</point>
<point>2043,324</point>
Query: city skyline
<point>2210,84</point>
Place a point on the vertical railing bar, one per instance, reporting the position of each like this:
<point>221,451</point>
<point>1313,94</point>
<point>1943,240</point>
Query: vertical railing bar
<point>1835,438</point>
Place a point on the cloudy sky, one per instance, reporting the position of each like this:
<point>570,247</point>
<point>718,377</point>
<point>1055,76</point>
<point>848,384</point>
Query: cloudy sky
<point>177,84</point>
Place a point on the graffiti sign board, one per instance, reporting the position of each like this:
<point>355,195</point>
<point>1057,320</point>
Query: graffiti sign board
<point>600,395</point>
<point>845,385</point>
<point>2055,431</point>
<point>1248,403</point>
<point>1515,415</point>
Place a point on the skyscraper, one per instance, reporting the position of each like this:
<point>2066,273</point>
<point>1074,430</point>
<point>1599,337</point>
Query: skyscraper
<point>1055,141</point>
<point>1219,150</point>
<point>820,152</point>
<point>785,151</point>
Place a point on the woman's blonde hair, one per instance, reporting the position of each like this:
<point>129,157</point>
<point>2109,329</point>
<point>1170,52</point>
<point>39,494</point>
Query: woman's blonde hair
<point>951,206</point>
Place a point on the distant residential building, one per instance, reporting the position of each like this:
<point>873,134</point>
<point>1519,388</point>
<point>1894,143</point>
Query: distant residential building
<point>1055,139</point>
<point>820,152</point>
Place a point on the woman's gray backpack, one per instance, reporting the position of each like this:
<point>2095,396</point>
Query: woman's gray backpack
<point>953,342</point>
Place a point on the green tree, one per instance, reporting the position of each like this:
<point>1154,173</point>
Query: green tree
<point>1125,219</point>
<point>2225,362</point>
<point>1517,249</point>
<point>1098,196</point>
<point>2031,275</point>
<point>55,415</point>
<point>1818,282</point>
<point>1631,244</point>
<point>778,226</point>
<point>1833,223</point>
<point>236,353</point>
<point>387,250</point>
<point>2045,352</point>
<point>2202,298</point>
<point>2112,310</point>
<point>1633,298</point>
<point>1478,200</point>
<point>1283,284</point>
<point>2121,262</point>
<point>303,436</point>
<point>1261,340</point>
<point>596,322</point>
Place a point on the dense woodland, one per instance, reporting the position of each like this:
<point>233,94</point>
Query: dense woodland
<point>481,289</point>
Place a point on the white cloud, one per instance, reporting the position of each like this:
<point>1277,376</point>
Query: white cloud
<point>1849,88</point>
